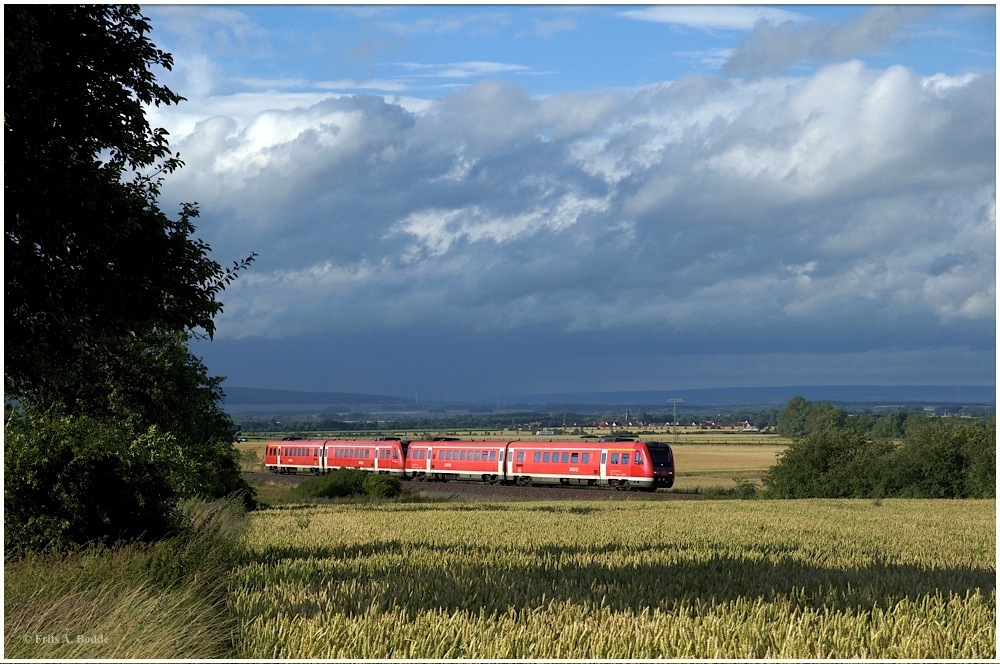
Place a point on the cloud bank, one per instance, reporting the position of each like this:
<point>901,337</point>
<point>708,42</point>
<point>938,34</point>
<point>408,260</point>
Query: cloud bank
<point>852,200</point>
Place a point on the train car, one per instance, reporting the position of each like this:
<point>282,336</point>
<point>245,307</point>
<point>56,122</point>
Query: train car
<point>291,456</point>
<point>384,455</point>
<point>619,463</point>
<point>447,459</point>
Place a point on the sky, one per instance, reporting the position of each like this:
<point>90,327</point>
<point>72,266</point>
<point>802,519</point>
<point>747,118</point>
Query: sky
<point>468,201</point>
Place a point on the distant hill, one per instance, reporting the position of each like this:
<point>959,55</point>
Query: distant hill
<point>739,396</point>
<point>253,395</point>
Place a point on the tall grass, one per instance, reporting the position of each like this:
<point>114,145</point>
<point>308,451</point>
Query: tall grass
<point>162,601</point>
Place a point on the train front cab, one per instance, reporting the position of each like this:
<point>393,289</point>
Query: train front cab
<point>662,458</point>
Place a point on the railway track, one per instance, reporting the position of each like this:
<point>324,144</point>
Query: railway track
<point>481,491</point>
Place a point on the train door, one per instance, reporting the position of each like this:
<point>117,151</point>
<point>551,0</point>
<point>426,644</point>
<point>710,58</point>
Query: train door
<point>378,452</point>
<point>604,467</point>
<point>430,456</point>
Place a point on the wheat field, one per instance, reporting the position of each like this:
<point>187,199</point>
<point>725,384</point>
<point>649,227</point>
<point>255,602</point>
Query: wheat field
<point>620,579</point>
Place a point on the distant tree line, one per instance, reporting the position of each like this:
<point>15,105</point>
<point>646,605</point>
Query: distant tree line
<point>505,420</point>
<point>836,455</point>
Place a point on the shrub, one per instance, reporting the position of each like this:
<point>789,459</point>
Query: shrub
<point>347,482</point>
<point>75,480</point>
<point>340,483</point>
<point>383,486</point>
<point>936,459</point>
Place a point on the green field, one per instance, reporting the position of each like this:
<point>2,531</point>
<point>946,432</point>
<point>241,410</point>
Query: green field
<point>620,579</point>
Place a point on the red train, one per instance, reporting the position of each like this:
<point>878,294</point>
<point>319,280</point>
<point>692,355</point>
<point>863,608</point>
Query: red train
<point>622,463</point>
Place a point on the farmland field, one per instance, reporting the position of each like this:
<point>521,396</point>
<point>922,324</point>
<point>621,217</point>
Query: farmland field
<point>621,579</point>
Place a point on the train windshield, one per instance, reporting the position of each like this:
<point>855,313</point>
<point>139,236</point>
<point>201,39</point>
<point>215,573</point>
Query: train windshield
<point>662,456</point>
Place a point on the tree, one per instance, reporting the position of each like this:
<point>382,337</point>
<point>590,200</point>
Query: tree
<point>89,255</point>
<point>103,289</point>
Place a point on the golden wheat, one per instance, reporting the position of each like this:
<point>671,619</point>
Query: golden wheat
<point>631,579</point>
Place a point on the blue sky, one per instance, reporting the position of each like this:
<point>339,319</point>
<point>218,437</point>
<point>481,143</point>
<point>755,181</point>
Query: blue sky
<point>501,199</point>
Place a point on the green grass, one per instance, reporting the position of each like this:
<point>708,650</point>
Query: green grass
<point>160,601</point>
<point>621,579</point>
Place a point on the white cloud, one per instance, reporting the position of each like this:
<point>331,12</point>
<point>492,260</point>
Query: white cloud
<point>713,17</point>
<point>462,70</point>
<point>776,44</point>
<point>825,203</point>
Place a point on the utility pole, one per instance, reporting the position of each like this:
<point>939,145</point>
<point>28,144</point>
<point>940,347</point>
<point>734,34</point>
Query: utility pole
<point>675,401</point>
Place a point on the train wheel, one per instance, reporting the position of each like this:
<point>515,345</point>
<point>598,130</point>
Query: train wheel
<point>524,480</point>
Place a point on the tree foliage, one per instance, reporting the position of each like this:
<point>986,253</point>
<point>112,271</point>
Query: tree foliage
<point>89,255</point>
<point>929,458</point>
<point>102,289</point>
<point>79,480</point>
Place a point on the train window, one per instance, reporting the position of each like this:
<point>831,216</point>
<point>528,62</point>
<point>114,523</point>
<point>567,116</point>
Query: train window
<point>574,457</point>
<point>614,457</point>
<point>477,456</point>
<point>565,457</point>
<point>625,459</point>
<point>586,457</point>
<point>545,457</point>
<point>462,457</point>
<point>538,456</point>
<point>638,458</point>
<point>367,453</point>
<point>520,456</point>
<point>395,454</point>
<point>604,457</point>
<point>501,455</point>
<point>493,455</point>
